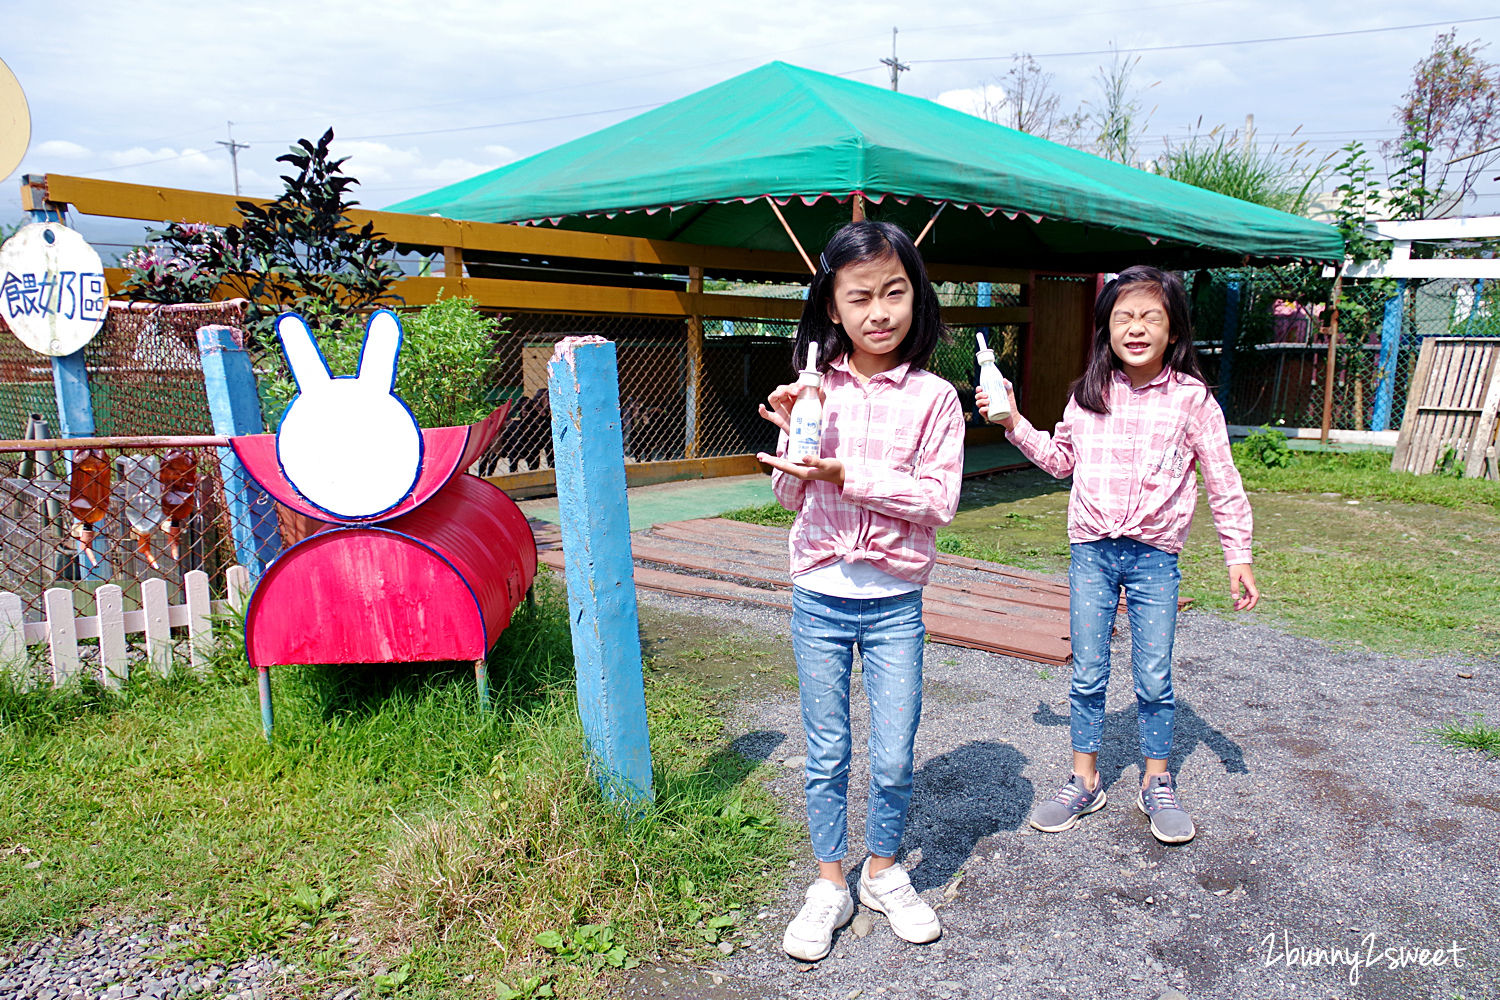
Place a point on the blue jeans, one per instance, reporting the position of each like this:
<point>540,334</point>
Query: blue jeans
<point>1149,577</point>
<point>890,635</point>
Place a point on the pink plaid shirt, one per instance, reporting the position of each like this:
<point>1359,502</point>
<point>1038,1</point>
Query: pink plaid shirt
<point>1133,467</point>
<point>901,439</point>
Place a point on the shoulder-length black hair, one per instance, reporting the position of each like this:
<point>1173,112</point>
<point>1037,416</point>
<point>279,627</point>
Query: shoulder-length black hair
<point>856,243</point>
<point>1091,390</point>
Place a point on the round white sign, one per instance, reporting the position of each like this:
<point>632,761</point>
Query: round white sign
<point>52,292</point>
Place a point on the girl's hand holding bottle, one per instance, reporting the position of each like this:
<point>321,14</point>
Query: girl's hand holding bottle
<point>982,400</point>
<point>798,410</point>
<point>802,466</point>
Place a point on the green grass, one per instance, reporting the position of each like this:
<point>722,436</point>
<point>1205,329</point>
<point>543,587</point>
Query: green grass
<point>1476,736</point>
<point>1367,475</point>
<point>767,513</point>
<point>388,810</point>
<point>1391,561</point>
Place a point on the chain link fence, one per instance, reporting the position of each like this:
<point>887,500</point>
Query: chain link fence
<point>662,417</point>
<point>1263,339</point>
<point>82,518</point>
<point>77,519</point>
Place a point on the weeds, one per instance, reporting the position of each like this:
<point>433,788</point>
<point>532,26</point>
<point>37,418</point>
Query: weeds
<point>1478,737</point>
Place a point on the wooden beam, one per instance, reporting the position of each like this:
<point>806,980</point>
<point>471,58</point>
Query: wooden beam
<point>639,473</point>
<point>507,295</point>
<point>115,199</point>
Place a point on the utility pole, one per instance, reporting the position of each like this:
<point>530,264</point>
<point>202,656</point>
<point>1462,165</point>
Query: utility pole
<point>234,155</point>
<point>897,66</point>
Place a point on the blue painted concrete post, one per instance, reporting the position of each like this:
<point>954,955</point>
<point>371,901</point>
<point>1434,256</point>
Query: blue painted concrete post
<point>234,404</point>
<point>1231,338</point>
<point>75,418</point>
<point>583,381</point>
<point>1390,353</point>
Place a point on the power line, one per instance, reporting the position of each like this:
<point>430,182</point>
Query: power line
<point>1210,45</point>
<point>476,128</point>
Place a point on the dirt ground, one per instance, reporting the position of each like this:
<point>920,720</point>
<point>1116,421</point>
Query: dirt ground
<point>1340,851</point>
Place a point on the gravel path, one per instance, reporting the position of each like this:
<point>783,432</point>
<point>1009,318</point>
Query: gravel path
<point>1328,827</point>
<point>124,959</point>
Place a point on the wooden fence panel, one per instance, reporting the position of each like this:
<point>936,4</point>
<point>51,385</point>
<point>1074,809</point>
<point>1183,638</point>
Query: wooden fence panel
<point>114,652</point>
<point>1451,406</point>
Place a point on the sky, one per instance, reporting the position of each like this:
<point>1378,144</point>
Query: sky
<point>420,95</point>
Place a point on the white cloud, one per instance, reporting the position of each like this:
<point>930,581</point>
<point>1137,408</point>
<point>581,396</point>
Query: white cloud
<point>973,100</point>
<point>61,149</point>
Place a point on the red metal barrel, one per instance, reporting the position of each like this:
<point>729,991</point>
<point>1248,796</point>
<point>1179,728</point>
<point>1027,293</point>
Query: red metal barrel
<point>438,582</point>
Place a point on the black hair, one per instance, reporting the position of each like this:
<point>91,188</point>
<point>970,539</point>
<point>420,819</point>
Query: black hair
<point>856,243</point>
<point>1091,390</point>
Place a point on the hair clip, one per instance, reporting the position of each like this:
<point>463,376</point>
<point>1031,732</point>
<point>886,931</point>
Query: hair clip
<point>823,262</point>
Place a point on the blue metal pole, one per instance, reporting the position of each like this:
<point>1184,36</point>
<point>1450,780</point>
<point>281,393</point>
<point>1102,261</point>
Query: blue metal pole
<point>583,380</point>
<point>1390,351</point>
<point>1227,344</point>
<point>75,418</point>
<point>234,404</point>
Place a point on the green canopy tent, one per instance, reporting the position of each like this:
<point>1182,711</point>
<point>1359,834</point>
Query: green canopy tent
<point>703,169</point>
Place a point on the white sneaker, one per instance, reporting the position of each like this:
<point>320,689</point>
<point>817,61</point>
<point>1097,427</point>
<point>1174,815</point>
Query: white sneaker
<point>892,893</point>
<point>810,934</point>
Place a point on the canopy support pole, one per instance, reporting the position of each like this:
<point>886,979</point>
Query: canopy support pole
<point>859,207</point>
<point>928,228</point>
<point>791,235</point>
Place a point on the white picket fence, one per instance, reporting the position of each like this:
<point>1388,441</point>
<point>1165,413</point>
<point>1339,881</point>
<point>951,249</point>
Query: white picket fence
<point>60,630</point>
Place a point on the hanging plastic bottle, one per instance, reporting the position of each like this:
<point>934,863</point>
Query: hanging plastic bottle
<point>143,509</point>
<point>806,435</point>
<point>179,488</point>
<point>88,499</point>
<point>992,382</point>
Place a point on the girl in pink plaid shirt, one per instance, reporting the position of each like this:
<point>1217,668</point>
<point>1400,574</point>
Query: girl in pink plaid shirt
<point>868,506</point>
<point>1139,422</point>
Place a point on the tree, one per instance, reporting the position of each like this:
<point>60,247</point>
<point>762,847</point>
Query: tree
<point>1450,127</point>
<point>1030,104</point>
<point>298,252</point>
<point>1116,119</point>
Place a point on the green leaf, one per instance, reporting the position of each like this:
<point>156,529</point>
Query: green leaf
<point>551,940</point>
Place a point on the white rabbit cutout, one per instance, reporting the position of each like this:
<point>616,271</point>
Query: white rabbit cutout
<point>349,444</point>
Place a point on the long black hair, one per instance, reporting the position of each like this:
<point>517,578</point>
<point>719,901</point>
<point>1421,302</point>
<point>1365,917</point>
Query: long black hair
<point>1091,390</point>
<point>856,243</point>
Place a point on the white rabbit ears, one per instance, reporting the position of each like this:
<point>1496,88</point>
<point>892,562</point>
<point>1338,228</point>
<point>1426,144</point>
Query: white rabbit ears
<point>377,359</point>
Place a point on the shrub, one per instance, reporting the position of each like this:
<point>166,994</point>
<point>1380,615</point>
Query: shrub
<point>446,356</point>
<point>1265,447</point>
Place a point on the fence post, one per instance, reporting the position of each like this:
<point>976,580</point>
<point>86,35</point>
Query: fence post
<point>583,380</point>
<point>234,404</point>
<point>1390,355</point>
<point>75,415</point>
<point>1227,343</point>
<point>694,435</point>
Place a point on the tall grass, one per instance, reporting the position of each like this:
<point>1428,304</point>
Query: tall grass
<point>1283,178</point>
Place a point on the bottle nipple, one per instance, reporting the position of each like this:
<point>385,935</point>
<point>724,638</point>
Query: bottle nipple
<point>984,354</point>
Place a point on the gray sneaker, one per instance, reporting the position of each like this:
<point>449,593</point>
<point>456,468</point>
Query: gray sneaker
<point>1071,801</point>
<point>1170,823</point>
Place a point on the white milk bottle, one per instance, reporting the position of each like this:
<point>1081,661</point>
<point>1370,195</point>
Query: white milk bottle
<point>806,435</point>
<point>991,381</point>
